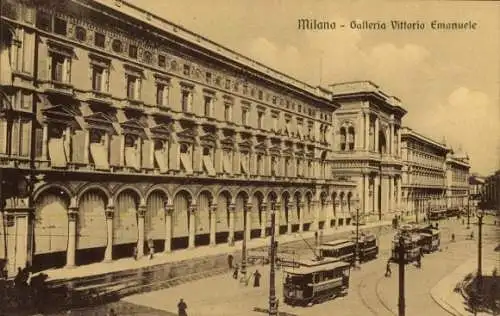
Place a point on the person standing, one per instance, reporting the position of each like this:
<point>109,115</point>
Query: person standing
<point>230,261</point>
<point>182,306</point>
<point>151,246</point>
<point>388,270</point>
<point>256,278</point>
<point>235,272</point>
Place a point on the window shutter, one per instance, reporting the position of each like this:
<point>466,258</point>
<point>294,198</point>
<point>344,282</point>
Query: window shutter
<point>78,147</point>
<point>115,150</point>
<point>146,154</point>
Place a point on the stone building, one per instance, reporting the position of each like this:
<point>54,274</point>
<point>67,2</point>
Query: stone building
<point>367,145</point>
<point>457,179</point>
<point>492,191</point>
<point>109,139</point>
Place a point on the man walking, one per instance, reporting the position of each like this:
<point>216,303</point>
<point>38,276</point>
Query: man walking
<point>256,278</point>
<point>388,271</point>
<point>182,306</point>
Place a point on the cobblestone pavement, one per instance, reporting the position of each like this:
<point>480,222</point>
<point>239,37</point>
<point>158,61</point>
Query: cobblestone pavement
<point>370,292</point>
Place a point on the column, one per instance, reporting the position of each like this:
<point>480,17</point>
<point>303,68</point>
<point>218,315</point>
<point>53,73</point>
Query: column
<point>108,253</point>
<point>70,254</point>
<point>248,214</point>
<point>192,225</point>
<point>398,193</point>
<point>263,219</point>
<point>376,133</point>
<point>45,141</point>
<point>277,221</point>
<point>301,216</point>
<point>391,139</point>
<point>230,238</point>
<point>399,142</point>
<point>169,209</point>
<point>140,229</point>
<point>384,194</point>
<point>367,130</point>
<point>328,211</point>
<point>376,184</point>
<point>213,223</point>
<point>289,222</point>
<point>316,205</point>
<point>366,193</point>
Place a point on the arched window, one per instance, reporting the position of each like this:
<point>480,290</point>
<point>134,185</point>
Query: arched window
<point>350,138</point>
<point>80,34</point>
<point>342,138</point>
<point>148,57</point>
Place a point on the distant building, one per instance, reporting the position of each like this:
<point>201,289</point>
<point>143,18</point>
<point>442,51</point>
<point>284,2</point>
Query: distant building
<point>492,190</point>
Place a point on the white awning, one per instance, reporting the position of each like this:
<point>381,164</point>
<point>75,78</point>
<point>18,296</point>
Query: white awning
<point>160,160</point>
<point>131,158</point>
<point>57,153</point>
<point>186,163</point>
<point>209,165</point>
<point>227,163</point>
<point>6,73</point>
<point>100,156</point>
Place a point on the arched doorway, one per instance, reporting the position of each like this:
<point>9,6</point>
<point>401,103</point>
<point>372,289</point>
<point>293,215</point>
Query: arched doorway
<point>256,217</point>
<point>333,221</point>
<point>322,211</point>
<point>202,218</point>
<point>180,220</point>
<point>284,213</point>
<point>125,224</point>
<point>239,213</point>
<point>91,231</point>
<point>154,220</point>
<point>50,229</point>
<point>308,216</point>
<point>222,219</point>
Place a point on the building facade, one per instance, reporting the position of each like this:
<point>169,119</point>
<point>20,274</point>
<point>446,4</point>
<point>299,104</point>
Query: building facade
<point>492,190</point>
<point>457,179</point>
<point>424,174</point>
<point>108,140</point>
<point>367,145</point>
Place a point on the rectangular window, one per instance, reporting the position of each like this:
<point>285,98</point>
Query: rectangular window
<point>260,120</point>
<point>132,51</point>
<point>244,116</point>
<point>261,95</point>
<point>275,123</point>
<point>27,100</point>
<point>186,99</point>
<point>44,21</point>
<point>208,77</point>
<point>208,106</point>
<point>99,39</point>
<point>58,62</point>
<point>60,26</point>
<point>187,70</point>
<point>97,78</point>
<point>162,62</point>
<point>227,112</point>
<point>28,49</point>
<point>133,87</point>
<point>228,84</point>
<point>245,89</point>
<point>162,94</point>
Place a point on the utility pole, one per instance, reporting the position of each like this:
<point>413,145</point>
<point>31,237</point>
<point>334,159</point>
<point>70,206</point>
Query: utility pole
<point>479,253</point>
<point>273,309</point>
<point>244,247</point>
<point>468,213</point>
<point>401,261</point>
<point>356,252</point>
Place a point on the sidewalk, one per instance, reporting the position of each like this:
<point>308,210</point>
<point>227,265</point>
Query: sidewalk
<point>444,295</point>
<point>187,254</point>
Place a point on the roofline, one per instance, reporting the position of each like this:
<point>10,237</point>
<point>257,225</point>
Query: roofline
<point>408,132</point>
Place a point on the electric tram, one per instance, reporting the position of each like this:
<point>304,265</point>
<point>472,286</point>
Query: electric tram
<point>411,245</point>
<point>430,239</point>
<point>341,250</point>
<point>317,283</point>
<point>367,247</point>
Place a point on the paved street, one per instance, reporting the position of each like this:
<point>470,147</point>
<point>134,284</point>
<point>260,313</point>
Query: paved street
<point>370,292</point>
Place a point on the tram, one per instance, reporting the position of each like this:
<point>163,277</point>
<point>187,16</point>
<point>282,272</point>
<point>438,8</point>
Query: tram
<point>341,250</point>
<point>411,245</point>
<point>315,284</point>
<point>368,247</point>
<point>430,239</point>
<point>435,215</point>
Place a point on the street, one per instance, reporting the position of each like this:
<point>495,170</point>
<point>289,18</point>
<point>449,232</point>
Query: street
<point>370,292</point>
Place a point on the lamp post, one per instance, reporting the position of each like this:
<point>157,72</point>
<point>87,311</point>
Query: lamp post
<point>480,215</point>
<point>401,262</point>
<point>244,246</point>
<point>355,202</point>
<point>468,212</point>
<point>273,309</point>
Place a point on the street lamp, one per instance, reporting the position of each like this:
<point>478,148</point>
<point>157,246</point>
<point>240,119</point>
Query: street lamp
<point>468,212</point>
<point>244,246</point>
<point>273,308</point>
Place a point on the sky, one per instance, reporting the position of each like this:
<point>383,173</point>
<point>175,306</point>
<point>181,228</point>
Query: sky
<point>448,81</point>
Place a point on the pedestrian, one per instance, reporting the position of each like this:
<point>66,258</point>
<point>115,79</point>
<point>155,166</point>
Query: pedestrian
<point>419,261</point>
<point>230,261</point>
<point>111,312</point>
<point>151,246</point>
<point>388,271</point>
<point>256,278</point>
<point>182,306</point>
<point>235,272</point>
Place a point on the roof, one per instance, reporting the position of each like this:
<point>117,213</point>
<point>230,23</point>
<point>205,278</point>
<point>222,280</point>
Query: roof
<point>327,246</point>
<point>324,267</point>
<point>315,263</point>
<point>336,242</point>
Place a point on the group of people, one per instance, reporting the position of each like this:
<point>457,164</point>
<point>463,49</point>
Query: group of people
<point>151,248</point>
<point>256,276</point>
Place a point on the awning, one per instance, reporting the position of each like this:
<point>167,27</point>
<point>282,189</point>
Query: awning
<point>227,162</point>
<point>160,160</point>
<point>209,165</point>
<point>6,73</point>
<point>131,158</point>
<point>186,163</point>
<point>244,164</point>
<point>57,153</point>
<point>100,156</point>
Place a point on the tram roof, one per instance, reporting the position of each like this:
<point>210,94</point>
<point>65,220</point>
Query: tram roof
<point>324,267</point>
<point>336,242</point>
<point>315,263</point>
